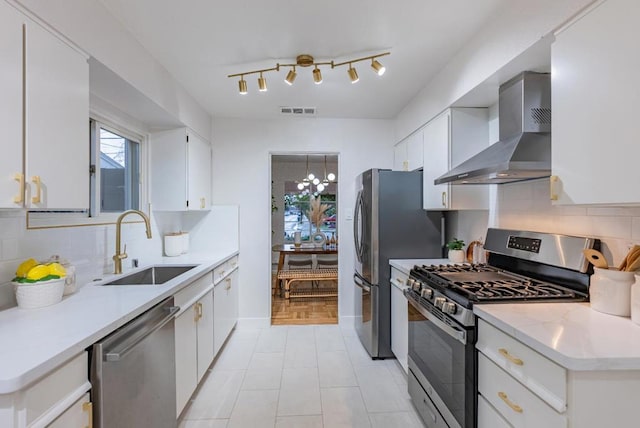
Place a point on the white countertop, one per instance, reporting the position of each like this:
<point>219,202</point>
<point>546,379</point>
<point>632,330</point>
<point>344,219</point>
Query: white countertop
<point>571,334</point>
<point>35,341</point>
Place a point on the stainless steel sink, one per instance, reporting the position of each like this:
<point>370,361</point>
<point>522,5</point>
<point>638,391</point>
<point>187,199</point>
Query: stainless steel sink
<point>153,275</point>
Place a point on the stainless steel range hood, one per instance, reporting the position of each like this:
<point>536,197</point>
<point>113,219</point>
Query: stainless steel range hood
<point>524,149</point>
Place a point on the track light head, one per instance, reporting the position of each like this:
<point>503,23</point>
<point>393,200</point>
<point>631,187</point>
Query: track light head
<point>377,67</point>
<point>262,83</point>
<point>353,74</point>
<point>291,76</point>
<point>242,86</point>
<point>317,76</point>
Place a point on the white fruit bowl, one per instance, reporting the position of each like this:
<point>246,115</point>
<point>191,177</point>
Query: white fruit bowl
<point>39,294</point>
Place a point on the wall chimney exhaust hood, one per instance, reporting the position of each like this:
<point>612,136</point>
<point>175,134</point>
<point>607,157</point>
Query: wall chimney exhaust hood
<point>523,151</point>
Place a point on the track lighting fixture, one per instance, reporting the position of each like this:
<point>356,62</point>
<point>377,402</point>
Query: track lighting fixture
<point>308,61</point>
<point>262,83</point>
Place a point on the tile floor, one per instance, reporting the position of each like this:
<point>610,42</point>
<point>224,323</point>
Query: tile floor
<point>300,376</point>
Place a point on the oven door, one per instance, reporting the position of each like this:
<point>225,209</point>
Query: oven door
<point>443,355</point>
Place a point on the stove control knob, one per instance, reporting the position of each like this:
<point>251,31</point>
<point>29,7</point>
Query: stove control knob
<point>449,308</point>
<point>439,302</point>
<point>410,282</point>
<point>416,286</point>
<point>427,293</point>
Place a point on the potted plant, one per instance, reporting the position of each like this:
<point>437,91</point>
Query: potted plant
<point>456,254</point>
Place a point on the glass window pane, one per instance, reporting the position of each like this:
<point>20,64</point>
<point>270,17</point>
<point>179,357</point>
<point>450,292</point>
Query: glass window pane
<point>119,173</point>
<point>296,206</point>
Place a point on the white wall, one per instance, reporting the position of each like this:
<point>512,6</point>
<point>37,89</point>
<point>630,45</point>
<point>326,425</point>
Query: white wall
<point>88,24</point>
<point>241,176</point>
<point>519,26</point>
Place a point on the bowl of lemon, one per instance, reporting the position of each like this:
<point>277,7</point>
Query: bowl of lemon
<point>38,284</point>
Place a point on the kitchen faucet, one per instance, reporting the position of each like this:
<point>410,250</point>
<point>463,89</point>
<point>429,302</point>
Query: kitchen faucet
<point>117,258</point>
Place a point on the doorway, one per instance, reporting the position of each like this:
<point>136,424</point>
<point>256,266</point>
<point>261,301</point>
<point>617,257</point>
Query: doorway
<point>304,238</point>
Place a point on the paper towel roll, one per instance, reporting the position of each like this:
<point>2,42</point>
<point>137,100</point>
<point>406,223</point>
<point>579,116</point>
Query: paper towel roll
<point>172,245</point>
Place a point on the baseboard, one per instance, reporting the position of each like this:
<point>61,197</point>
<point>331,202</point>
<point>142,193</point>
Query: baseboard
<point>253,323</point>
<point>347,321</point>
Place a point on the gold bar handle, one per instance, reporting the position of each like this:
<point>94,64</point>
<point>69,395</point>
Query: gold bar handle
<point>444,199</point>
<point>509,403</point>
<point>88,407</point>
<point>399,281</point>
<point>19,177</point>
<point>228,287</point>
<point>202,203</point>
<point>553,181</point>
<point>508,356</point>
<point>196,310</point>
<point>37,198</point>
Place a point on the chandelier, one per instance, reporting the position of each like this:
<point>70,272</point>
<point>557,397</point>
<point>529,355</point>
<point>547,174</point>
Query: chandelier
<point>306,60</point>
<point>310,179</point>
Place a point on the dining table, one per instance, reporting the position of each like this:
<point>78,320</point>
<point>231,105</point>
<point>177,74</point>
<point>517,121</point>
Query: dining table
<point>285,249</point>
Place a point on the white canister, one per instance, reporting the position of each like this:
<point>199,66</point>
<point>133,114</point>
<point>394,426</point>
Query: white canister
<point>610,291</point>
<point>635,300</point>
<point>172,245</point>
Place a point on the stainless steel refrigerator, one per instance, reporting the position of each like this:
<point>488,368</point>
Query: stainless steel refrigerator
<point>388,223</point>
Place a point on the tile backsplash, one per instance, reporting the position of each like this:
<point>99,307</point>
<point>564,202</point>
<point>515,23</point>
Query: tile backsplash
<point>527,205</point>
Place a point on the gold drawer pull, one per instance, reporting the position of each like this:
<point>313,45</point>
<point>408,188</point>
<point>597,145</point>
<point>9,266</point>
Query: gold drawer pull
<point>88,407</point>
<point>38,197</point>
<point>508,356</point>
<point>513,406</point>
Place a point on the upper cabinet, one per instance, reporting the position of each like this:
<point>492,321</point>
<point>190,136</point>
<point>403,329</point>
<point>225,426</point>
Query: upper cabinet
<point>595,129</point>
<point>44,113</point>
<point>449,139</point>
<point>181,171</point>
<point>408,153</point>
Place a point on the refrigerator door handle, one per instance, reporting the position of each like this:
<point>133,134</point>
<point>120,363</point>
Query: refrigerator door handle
<point>361,284</point>
<point>357,226</point>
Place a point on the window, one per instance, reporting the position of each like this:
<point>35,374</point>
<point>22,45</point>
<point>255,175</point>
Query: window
<point>296,206</point>
<point>115,178</point>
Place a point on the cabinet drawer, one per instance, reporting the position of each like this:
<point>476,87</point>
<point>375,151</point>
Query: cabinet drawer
<point>488,417</point>
<point>78,415</point>
<point>519,406</point>
<point>541,375</point>
<point>398,278</point>
<point>186,296</point>
<point>224,269</point>
<point>56,387</point>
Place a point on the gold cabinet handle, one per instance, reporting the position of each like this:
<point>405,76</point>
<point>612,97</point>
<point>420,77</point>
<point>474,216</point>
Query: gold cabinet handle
<point>198,311</point>
<point>202,203</point>
<point>88,407</point>
<point>399,280</point>
<point>37,198</point>
<point>20,197</point>
<point>553,181</point>
<point>405,165</point>
<point>228,287</point>
<point>508,356</point>
<point>444,199</point>
<point>509,403</point>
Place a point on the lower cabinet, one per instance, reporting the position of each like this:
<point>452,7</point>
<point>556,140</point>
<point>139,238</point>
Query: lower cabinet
<point>399,318</point>
<point>80,414</point>
<point>225,311</point>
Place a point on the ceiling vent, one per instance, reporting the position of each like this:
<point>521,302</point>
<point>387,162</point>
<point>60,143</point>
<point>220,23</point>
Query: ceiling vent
<point>298,111</point>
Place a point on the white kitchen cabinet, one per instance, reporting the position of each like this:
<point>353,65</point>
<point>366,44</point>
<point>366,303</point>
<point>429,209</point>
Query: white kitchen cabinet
<point>51,154</point>
<point>518,385</point>
<point>225,298</point>
<point>408,153</point>
<point>595,128</point>
<point>11,107</point>
<point>449,139</point>
<point>181,171</point>
<point>193,337</point>
<point>399,318</point>
<point>57,397</point>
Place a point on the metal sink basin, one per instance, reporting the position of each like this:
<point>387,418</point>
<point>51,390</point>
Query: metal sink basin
<point>152,276</point>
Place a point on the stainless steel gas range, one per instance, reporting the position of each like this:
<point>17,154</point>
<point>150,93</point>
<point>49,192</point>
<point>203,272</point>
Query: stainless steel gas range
<point>522,267</point>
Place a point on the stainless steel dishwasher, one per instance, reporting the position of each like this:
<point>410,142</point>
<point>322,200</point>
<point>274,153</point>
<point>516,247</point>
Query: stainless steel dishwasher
<point>133,372</point>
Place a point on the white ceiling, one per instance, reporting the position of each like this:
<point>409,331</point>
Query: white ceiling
<point>201,41</point>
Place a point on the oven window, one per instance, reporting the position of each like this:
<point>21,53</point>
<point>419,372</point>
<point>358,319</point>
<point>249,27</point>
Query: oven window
<point>444,362</point>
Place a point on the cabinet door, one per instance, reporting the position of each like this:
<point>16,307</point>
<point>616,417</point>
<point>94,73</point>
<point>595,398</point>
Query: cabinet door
<point>415,151</point>
<point>57,122</point>
<point>436,162</point>
<point>224,311</point>
<point>595,128</point>
<point>235,298</point>
<point>186,357</point>
<point>399,325</point>
<point>205,333</point>
<point>169,170</point>
<point>400,162</point>
<point>199,183</point>
<point>11,83</point>
<point>78,415</point>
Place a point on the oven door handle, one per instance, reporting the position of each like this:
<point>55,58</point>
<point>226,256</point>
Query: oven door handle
<point>361,284</point>
<point>459,335</point>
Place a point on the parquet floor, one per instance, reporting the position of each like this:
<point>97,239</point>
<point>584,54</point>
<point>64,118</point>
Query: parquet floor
<point>302,311</point>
